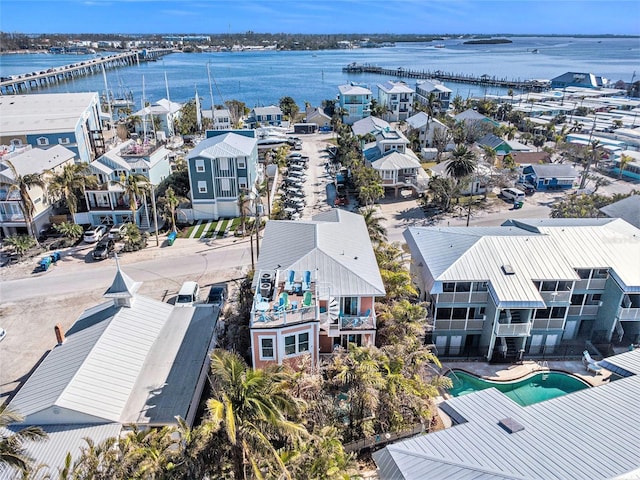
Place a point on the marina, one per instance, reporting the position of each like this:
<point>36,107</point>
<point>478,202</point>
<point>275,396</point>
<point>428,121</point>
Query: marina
<point>483,80</point>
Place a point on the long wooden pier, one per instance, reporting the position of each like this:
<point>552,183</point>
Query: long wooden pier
<point>485,80</point>
<point>27,82</point>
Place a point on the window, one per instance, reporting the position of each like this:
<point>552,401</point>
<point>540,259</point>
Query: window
<point>577,299</point>
<point>459,314</point>
<point>564,286</point>
<point>584,274</point>
<point>242,163</point>
<point>200,166</point>
<point>225,186</point>
<point>202,187</point>
<point>224,163</point>
<point>479,286</point>
<point>600,273</point>
<point>303,342</point>
<point>16,142</point>
<point>43,141</point>
<point>63,141</point>
<point>350,306</point>
<point>463,286</point>
<point>387,174</point>
<point>242,182</point>
<point>266,348</point>
<point>290,345</point>
<point>448,287</point>
<point>548,287</point>
<point>558,312</point>
<point>443,314</point>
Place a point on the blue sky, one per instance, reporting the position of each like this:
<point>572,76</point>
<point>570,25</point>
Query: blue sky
<point>321,16</point>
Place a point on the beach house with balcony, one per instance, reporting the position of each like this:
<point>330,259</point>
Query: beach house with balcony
<point>527,286</point>
<point>160,117</point>
<point>315,286</point>
<point>427,129</point>
<point>28,160</point>
<point>72,120</point>
<point>398,167</point>
<point>265,116</point>
<point>221,169</point>
<point>355,102</point>
<point>397,98</point>
<point>434,94</point>
<point>108,204</point>
<point>220,118</point>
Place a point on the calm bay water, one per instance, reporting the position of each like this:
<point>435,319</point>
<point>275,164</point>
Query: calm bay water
<point>262,78</point>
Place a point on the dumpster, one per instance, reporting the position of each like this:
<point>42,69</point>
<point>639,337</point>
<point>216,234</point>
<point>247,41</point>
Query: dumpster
<point>172,237</point>
<point>517,205</point>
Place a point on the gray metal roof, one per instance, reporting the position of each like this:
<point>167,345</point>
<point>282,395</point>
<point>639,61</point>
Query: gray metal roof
<point>38,160</point>
<point>335,243</point>
<point>369,125</point>
<point>556,170</point>
<point>627,361</point>
<point>395,87</point>
<point>491,140</point>
<point>62,439</point>
<point>627,209</point>
<point>43,112</point>
<point>227,145</point>
<point>591,434</point>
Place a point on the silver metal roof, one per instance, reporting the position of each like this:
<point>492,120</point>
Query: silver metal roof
<point>627,361</point>
<point>369,125</point>
<point>591,434</point>
<point>226,146</point>
<point>628,209</point>
<point>38,160</point>
<point>43,112</point>
<point>396,161</point>
<point>535,253</point>
<point>335,243</point>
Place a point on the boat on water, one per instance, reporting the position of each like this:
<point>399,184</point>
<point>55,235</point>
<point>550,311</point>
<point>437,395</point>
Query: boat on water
<point>535,50</point>
<point>439,45</point>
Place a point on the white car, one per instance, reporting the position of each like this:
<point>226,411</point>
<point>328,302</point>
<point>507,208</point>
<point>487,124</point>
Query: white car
<point>93,234</point>
<point>512,194</point>
<point>117,231</point>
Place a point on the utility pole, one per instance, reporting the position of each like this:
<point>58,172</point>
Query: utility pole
<point>155,214</point>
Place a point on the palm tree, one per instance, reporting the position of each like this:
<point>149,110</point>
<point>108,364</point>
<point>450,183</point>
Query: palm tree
<point>70,182</point>
<point>490,154</point>
<point>377,233</point>
<point>22,184</point>
<point>624,161</point>
<point>433,104</point>
<point>12,452</point>
<point>253,407</point>
<point>172,203</point>
<point>462,164</point>
<point>134,186</point>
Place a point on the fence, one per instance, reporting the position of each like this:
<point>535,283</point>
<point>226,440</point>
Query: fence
<point>383,439</point>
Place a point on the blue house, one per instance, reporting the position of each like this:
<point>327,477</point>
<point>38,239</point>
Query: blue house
<point>221,168</point>
<point>72,120</point>
<point>355,102</point>
<point>264,116</point>
<point>550,176</point>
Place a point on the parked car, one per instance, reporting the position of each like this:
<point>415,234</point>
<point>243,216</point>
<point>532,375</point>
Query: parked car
<point>218,295</point>
<point>512,194</point>
<point>3,333</point>
<point>526,187</point>
<point>93,234</point>
<point>188,295</point>
<point>103,249</point>
<point>117,231</point>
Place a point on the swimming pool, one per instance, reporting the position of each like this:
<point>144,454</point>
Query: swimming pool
<point>527,391</point>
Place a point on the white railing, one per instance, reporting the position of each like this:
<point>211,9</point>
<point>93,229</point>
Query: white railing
<point>513,329</point>
<point>627,314</point>
<point>556,297</point>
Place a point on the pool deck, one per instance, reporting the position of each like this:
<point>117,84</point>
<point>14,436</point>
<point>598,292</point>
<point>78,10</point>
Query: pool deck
<point>515,371</point>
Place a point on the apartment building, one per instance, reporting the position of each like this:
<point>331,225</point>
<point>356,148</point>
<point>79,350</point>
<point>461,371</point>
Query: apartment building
<point>526,287</point>
<point>397,97</point>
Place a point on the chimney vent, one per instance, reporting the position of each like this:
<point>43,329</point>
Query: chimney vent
<point>59,334</point>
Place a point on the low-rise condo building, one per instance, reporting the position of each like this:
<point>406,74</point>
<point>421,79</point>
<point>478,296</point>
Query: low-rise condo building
<point>528,286</point>
<point>355,102</point>
<point>397,98</point>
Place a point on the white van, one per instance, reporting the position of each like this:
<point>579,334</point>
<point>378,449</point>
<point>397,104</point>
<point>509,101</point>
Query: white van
<point>512,194</point>
<point>188,295</point>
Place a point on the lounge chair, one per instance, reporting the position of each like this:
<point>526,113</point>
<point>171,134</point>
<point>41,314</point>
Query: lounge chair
<point>306,280</point>
<point>284,300</point>
<point>288,284</point>
<point>590,364</point>
<point>307,299</point>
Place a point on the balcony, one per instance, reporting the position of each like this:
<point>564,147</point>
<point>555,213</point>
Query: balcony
<point>512,329</point>
<point>12,217</point>
<point>357,322</point>
<point>138,151</point>
<point>628,314</point>
<point>551,298</point>
<point>548,324</point>
<point>462,324</point>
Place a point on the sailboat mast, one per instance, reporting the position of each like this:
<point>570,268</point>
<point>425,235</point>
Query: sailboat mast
<point>144,112</point>
<point>107,96</point>
<point>170,113</point>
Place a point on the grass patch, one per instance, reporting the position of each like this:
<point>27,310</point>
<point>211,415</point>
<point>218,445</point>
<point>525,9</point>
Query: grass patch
<point>200,230</point>
<point>223,227</point>
<point>428,165</point>
<point>209,232</point>
<point>235,223</point>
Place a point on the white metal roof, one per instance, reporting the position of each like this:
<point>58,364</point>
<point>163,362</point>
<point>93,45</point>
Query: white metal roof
<point>543,252</point>
<point>369,124</point>
<point>38,160</point>
<point>226,146</point>
<point>395,87</point>
<point>43,112</point>
<point>350,89</point>
<point>591,433</point>
<point>62,439</point>
<point>335,243</point>
<point>396,161</point>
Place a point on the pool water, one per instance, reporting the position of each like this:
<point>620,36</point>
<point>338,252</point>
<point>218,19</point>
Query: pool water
<point>536,388</point>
